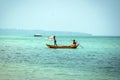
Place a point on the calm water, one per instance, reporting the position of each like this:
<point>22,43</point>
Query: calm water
<point>28,58</point>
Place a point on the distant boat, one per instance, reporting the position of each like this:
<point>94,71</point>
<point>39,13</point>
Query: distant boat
<point>62,47</point>
<point>37,35</point>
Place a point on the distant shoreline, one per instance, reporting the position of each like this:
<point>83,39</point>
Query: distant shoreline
<point>48,33</point>
<point>42,32</point>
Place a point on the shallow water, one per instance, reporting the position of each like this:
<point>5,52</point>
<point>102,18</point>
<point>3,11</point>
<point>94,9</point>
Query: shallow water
<point>28,58</point>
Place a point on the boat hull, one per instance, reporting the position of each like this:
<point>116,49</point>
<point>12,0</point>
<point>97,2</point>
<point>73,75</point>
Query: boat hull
<point>37,35</point>
<point>62,47</point>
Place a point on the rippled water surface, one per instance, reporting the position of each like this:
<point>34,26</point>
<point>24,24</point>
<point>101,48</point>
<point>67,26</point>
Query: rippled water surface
<point>28,58</point>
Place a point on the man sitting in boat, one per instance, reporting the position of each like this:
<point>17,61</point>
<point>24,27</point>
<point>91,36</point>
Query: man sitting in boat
<point>74,43</point>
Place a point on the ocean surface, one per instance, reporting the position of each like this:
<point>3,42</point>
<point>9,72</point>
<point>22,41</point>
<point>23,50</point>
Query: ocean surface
<point>28,58</point>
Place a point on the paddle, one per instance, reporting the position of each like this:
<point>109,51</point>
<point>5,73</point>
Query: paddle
<point>81,46</point>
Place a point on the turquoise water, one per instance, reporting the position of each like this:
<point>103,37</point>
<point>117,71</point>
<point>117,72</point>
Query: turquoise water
<point>28,58</point>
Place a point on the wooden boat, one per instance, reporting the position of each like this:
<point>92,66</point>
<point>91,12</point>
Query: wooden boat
<point>70,46</point>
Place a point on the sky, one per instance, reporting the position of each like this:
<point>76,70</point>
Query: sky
<point>97,17</point>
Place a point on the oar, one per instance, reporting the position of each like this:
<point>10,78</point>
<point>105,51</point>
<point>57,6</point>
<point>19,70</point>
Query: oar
<point>81,46</point>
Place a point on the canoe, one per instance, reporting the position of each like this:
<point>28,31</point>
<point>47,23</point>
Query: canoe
<point>62,46</point>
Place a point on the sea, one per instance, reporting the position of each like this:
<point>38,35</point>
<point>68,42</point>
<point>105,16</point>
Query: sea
<point>28,58</point>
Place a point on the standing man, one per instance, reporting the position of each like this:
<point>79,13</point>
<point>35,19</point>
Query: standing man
<point>55,42</point>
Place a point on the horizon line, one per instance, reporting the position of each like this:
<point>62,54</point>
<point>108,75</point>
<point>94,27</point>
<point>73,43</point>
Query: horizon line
<point>59,31</point>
